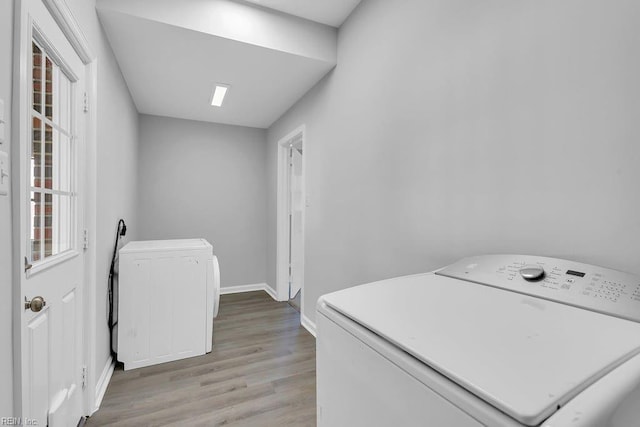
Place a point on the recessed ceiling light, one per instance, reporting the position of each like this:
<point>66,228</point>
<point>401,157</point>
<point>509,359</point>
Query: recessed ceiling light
<point>218,94</point>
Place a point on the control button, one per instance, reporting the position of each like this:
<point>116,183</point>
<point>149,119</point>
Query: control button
<point>532,272</point>
<point>570,280</point>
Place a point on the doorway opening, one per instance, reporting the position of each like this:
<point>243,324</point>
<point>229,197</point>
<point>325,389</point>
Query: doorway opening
<point>296,241</point>
<point>291,206</point>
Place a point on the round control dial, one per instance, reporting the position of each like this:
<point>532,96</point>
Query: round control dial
<point>532,272</point>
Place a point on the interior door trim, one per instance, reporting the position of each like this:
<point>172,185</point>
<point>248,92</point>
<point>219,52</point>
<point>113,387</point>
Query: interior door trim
<point>70,27</point>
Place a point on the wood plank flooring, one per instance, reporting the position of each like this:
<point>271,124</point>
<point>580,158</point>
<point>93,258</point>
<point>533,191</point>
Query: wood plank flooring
<point>261,372</point>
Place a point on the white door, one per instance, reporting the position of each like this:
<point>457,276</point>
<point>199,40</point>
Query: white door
<point>296,217</point>
<point>51,126</point>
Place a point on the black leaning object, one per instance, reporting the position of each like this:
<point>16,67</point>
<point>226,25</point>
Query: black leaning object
<point>120,231</point>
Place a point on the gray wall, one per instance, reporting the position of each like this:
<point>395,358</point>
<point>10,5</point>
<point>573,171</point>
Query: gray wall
<point>117,164</point>
<point>206,180</point>
<point>455,127</point>
<point>6,354</point>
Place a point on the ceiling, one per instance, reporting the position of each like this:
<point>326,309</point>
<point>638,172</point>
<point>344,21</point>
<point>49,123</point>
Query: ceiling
<point>173,52</point>
<point>328,12</point>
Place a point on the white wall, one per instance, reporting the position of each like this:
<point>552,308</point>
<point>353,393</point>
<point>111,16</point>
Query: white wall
<point>117,160</point>
<point>456,127</point>
<point>6,305</point>
<point>206,180</point>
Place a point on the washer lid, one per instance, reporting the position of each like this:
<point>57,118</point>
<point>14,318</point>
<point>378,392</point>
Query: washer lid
<point>165,245</point>
<point>524,355</point>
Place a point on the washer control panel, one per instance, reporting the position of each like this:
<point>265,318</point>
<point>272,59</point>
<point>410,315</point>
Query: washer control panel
<point>586,286</point>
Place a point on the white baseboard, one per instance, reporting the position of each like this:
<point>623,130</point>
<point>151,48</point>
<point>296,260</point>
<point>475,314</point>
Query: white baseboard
<point>103,382</point>
<point>308,324</point>
<point>242,288</point>
<point>268,289</point>
<point>248,288</point>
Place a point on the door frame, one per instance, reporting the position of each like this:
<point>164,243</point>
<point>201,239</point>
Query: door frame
<point>282,210</point>
<point>20,115</point>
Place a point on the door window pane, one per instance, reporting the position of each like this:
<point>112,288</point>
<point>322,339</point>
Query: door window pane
<point>61,162</point>
<point>61,99</point>
<point>36,229</point>
<point>48,157</point>
<point>36,152</point>
<point>48,99</point>
<point>52,148</point>
<point>48,231</point>
<point>60,220</point>
<point>37,78</point>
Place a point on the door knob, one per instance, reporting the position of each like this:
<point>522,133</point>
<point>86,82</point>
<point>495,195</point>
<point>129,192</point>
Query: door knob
<point>35,304</point>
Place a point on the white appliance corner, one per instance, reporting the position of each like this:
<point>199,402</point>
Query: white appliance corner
<point>103,382</point>
<point>308,324</point>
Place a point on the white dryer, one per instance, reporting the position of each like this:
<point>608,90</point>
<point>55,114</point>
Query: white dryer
<point>168,296</point>
<point>498,340</point>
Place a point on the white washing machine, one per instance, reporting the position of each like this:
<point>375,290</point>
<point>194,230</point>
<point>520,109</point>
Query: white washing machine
<point>168,296</point>
<point>498,340</point>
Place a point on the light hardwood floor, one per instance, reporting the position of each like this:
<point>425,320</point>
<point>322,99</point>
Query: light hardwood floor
<point>261,372</point>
